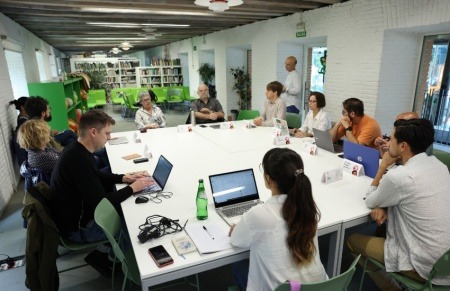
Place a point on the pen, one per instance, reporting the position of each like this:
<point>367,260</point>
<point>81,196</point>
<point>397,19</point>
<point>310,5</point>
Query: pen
<point>204,227</point>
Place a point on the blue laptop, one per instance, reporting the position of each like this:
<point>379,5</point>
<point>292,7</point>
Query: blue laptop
<point>368,157</point>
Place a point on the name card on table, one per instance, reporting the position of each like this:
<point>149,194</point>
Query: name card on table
<point>184,128</point>
<point>248,124</point>
<point>227,125</point>
<point>309,148</point>
<point>281,140</point>
<point>135,138</point>
<point>147,152</point>
<point>332,176</point>
<point>276,131</point>
<point>353,168</point>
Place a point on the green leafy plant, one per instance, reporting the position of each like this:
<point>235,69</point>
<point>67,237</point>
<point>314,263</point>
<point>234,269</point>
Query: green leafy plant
<point>207,72</point>
<point>242,85</point>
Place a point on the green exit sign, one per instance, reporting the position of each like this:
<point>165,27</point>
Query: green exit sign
<point>300,34</point>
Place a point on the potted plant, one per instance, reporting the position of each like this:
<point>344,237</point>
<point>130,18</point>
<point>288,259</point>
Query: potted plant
<point>242,85</point>
<point>207,73</point>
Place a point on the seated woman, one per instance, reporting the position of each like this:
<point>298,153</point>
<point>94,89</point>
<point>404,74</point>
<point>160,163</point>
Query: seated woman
<point>281,233</point>
<point>34,136</point>
<point>316,117</point>
<point>149,116</point>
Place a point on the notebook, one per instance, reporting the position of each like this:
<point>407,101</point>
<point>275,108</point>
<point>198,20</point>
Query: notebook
<point>159,177</point>
<point>324,141</point>
<point>234,193</point>
<point>368,157</point>
<point>118,140</point>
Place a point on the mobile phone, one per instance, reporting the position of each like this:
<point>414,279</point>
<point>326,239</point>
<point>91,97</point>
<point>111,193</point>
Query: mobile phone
<point>160,256</point>
<point>202,125</point>
<point>140,160</point>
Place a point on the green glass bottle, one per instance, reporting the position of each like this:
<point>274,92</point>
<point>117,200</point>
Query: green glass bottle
<point>202,201</point>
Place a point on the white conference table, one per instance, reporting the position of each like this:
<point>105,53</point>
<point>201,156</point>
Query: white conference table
<point>207,151</point>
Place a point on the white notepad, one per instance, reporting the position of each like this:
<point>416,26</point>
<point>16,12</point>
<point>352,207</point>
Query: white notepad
<point>214,239</point>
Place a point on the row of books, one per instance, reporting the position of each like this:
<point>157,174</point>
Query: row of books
<point>166,62</point>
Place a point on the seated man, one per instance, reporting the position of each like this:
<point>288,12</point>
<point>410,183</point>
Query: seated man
<point>273,107</point>
<point>207,110</point>
<point>78,186</point>
<point>355,125</point>
<point>417,201</point>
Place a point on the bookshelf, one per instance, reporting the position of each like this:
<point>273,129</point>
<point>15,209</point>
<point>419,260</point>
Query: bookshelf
<point>159,76</point>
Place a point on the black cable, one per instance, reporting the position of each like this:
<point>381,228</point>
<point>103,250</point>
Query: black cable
<point>156,226</point>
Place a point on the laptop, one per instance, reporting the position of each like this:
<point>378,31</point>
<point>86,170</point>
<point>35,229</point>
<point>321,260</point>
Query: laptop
<point>324,141</point>
<point>368,157</point>
<point>234,193</point>
<point>159,177</point>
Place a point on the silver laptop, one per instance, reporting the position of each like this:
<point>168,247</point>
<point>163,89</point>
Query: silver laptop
<point>324,141</point>
<point>234,193</point>
<point>159,177</point>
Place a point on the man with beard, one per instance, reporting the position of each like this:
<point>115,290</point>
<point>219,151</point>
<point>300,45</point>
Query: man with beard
<point>355,125</point>
<point>38,107</point>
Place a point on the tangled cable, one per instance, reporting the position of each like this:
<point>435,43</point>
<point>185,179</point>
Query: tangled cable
<point>156,226</point>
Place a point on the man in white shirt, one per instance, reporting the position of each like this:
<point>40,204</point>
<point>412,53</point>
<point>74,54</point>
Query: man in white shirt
<point>413,199</point>
<point>292,86</point>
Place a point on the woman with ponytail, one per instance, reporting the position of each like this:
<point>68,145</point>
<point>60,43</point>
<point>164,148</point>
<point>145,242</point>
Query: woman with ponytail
<point>281,233</point>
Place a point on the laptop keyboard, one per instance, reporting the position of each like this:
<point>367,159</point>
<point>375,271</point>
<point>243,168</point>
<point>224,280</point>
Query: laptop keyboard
<point>237,210</point>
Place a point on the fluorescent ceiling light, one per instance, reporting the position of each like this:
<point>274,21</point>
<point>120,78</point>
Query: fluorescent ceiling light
<point>142,11</point>
<point>125,24</point>
<point>108,38</point>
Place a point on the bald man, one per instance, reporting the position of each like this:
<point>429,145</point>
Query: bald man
<point>292,86</point>
<point>382,143</point>
<point>206,109</point>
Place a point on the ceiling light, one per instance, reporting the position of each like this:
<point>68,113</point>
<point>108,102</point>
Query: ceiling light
<point>125,45</point>
<point>143,11</point>
<point>218,5</point>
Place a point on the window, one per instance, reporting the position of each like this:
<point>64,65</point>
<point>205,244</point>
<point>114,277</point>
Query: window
<point>16,71</point>
<point>41,66</point>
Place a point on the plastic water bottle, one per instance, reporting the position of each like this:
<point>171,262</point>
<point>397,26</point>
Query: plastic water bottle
<point>202,201</point>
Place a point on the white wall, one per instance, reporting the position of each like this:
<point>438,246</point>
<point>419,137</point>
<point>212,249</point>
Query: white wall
<point>373,51</point>
<point>9,174</point>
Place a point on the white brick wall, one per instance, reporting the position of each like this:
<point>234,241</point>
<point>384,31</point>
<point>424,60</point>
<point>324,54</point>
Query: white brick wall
<point>373,51</point>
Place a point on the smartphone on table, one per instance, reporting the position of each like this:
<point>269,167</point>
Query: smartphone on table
<point>160,256</point>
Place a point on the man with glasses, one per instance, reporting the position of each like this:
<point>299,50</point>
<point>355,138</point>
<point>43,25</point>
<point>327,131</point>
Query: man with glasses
<point>149,116</point>
<point>206,109</point>
<point>355,125</point>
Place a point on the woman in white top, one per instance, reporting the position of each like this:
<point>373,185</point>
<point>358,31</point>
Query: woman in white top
<point>149,116</point>
<point>316,117</point>
<point>281,233</point>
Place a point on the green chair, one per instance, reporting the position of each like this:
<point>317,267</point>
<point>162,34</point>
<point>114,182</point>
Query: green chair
<point>294,120</point>
<point>99,96</point>
<point>442,156</point>
<point>338,283</point>
<point>106,217</point>
<point>187,94</point>
<point>247,114</point>
<point>440,268</point>
<point>161,96</point>
<point>116,98</point>
<point>175,96</point>
<point>129,110</point>
<point>91,102</point>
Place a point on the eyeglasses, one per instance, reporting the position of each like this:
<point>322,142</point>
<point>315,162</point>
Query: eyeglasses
<point>261,167</point>
<point>312,101</point>
<point>146,100</point>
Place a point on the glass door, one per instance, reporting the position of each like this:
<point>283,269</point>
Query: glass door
<point>432,93</point>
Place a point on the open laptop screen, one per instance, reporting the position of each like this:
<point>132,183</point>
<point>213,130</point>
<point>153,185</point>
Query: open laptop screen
<point>233,187</point>
<point>162,171</point>
<point>368,157</point>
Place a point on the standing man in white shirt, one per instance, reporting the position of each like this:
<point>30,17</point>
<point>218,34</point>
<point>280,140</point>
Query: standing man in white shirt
<point>292,86</point>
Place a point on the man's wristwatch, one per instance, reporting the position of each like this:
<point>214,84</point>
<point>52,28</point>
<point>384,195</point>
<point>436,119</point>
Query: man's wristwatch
<point>349,128</point>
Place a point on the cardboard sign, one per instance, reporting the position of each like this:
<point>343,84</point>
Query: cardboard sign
<point>276,132</point>
<point>353,168</point>
<point>227,125</point>
<point>281,140</point>
<point>147,153</point>
<point>248,124</point>
<point>184,128</point>
<point>309,148</point>
<point>332,176</point>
